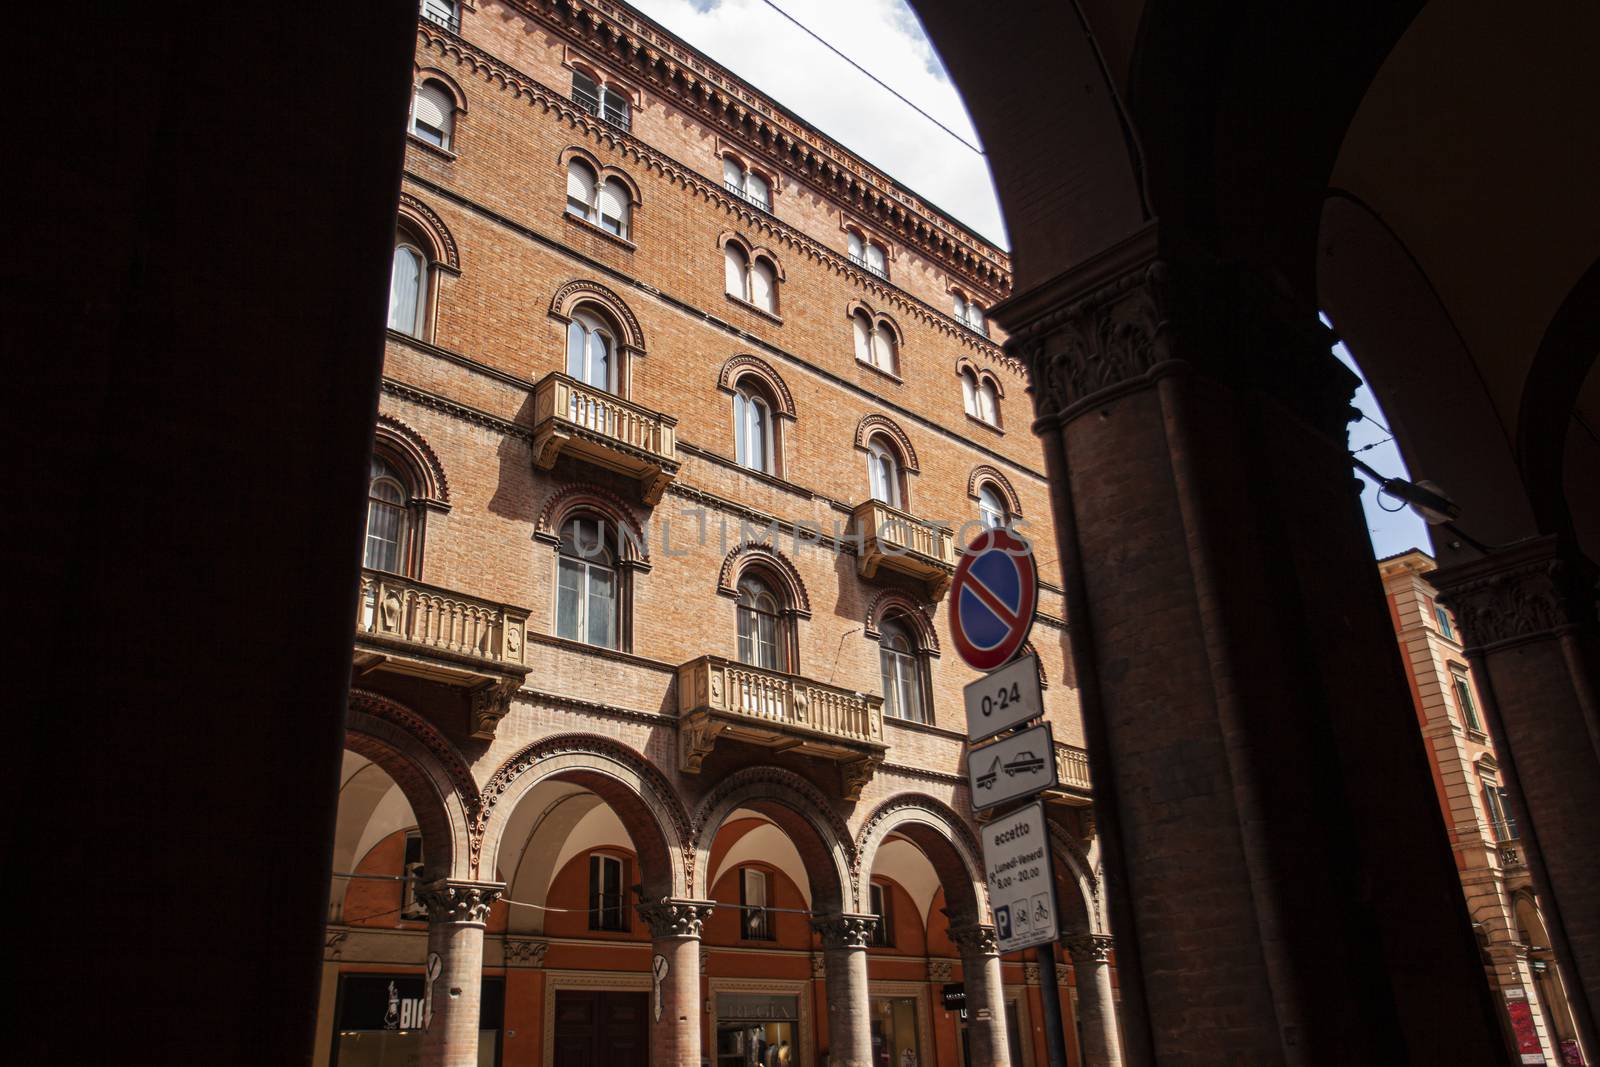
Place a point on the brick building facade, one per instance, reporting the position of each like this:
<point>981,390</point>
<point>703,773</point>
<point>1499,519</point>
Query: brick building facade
<point>1490,856</point>
<point>656,736</point>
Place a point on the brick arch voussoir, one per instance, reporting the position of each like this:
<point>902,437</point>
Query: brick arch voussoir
<point>875,423</point>
<point>944,838</point>
<point>754,366</point>
<point>894,599</point>
<point>801,811</point>
<point>419,455</point>
<point>628,782</point>
<point>430,772</point>
<point>582,290</point>
<point>432,228</point>
<point>1086,909</point>
<point>982,473</point>
<point>770,559</point>
<point>584,497</point>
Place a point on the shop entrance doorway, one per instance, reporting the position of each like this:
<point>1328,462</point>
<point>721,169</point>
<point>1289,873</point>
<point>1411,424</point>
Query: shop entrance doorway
<point>601,1028</point>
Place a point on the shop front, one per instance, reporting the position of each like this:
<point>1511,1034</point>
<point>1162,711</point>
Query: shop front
<point>380,1020</point>
<point>759,1030</point>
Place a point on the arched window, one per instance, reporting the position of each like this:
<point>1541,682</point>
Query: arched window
<point>747,184</point>
<point>602,101</point>
<point>753,432</point>
<point>408,287</point>
<point>762,642</point>
<point>592,351</point>
<point>869,254</point>
<point>433,114</point>
<point>991,507</point>
<point>980,397</point>
<point>587,585</point>
<point>968,313</point>
<point>875,341</point>
<point>442,12</point>
<point>388,519</point>
<point>607,203</point>
<point>754,282</point>
<point>883,473</point>
<point>902,671</point>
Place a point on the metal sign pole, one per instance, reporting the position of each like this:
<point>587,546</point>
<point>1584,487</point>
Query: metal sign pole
<point>1055,1041</point>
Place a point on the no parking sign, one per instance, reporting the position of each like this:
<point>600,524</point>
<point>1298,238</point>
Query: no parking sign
<point>992,599</point>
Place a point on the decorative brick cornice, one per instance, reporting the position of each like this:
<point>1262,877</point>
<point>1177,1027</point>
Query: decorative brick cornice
<point>985,472</point>
<point>675,918</point>
<point>1516,594</point>
<point>434,486</point>
<point>746,364</point>
<point>452,901</point>
<point>845,930</point>
<point>914,611</point>
<point>440,233</point>
<point>575,292</point>
<point>783,571</point>
<point>507,79</point>
<point>873,422</point>
<point>725,104</point>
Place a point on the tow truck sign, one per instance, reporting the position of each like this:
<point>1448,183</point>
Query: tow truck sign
<point>1018,766</point>
<point>1016,860</point>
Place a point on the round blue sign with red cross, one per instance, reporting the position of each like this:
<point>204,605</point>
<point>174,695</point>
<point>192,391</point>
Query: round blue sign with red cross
<point>992,598</point>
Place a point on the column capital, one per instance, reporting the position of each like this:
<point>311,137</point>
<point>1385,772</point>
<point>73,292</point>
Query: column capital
<point>1516,594</point>
<point>1088,948</point>
<point>975,939</point>
<point>675,917</point>
<point>845,930</point>
<point>451,900</point>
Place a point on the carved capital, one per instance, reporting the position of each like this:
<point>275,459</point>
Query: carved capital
<point>1514,595</point>
<point>452,901</point>
<point>854,776</point>
<point>819,966</point>
<point>1088,948</point>
<point>675,918</point>
<point>490,703</point>
<point>975,940</point>
<point>1030,973</point>
<point>845,930</point>
<point>697,736</point>
<point>522,952</point>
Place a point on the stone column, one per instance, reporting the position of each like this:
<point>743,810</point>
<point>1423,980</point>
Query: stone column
<point>1270,834</point>
<point>675,1002</point>
<point>844,960</point>
<point>453,973</point>
<point>1097,1009</point>
<point>985,990</point>
<point>1527,619</point>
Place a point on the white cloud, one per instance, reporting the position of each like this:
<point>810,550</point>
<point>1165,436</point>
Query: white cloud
<point>783,62</point>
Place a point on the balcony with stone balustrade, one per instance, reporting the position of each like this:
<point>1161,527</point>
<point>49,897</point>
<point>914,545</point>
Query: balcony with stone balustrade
<point>723,700</point>
<point>602,429</point>
<point>892,540</point>
<point>408,630</point>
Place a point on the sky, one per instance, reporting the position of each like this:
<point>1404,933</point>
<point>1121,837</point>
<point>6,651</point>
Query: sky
<point>762,47</point>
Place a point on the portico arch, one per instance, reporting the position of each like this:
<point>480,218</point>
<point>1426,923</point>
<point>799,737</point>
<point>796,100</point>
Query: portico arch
<point>428,770</point>
<point>640,795</point>
<point>943,837</point>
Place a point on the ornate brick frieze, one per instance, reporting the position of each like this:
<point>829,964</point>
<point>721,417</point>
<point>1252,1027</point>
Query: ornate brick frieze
<point>1512,596</point>
<point>845,930</point>
<point>525,952</point>
<point>675,918</point>
<point>940,970</point>
<point>452,901</point>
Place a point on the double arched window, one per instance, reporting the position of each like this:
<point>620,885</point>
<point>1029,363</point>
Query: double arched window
<point>388,540</point>
<point>408,286</point>
<point>902,664</point>
<point>746,183</point>
<point>980,396</point>
<point>968,312</point>
<point>752,278</point>
<point>865,252</point>
<point>754,436</point>
<point>433,114</point>
<point>605,203</point>
<point>588,584</point>
<point>592,356</point>
<point>762,642</point>
<point>885,477</point>
<point>602,101</point>
<point>992,507</point>
<point>877,344</point>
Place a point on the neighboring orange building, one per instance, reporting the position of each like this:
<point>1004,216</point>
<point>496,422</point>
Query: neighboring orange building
<point>655,727</point>
<point>1505,912</point>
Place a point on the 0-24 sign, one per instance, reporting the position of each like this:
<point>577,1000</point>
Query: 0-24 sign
<point>1004,698</point>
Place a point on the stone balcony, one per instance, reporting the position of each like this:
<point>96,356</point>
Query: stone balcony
<point>895,541</point>
<point>407,628</point>
<point>1072,777</point>
<point>719,698</point>
<point>597,427</point>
